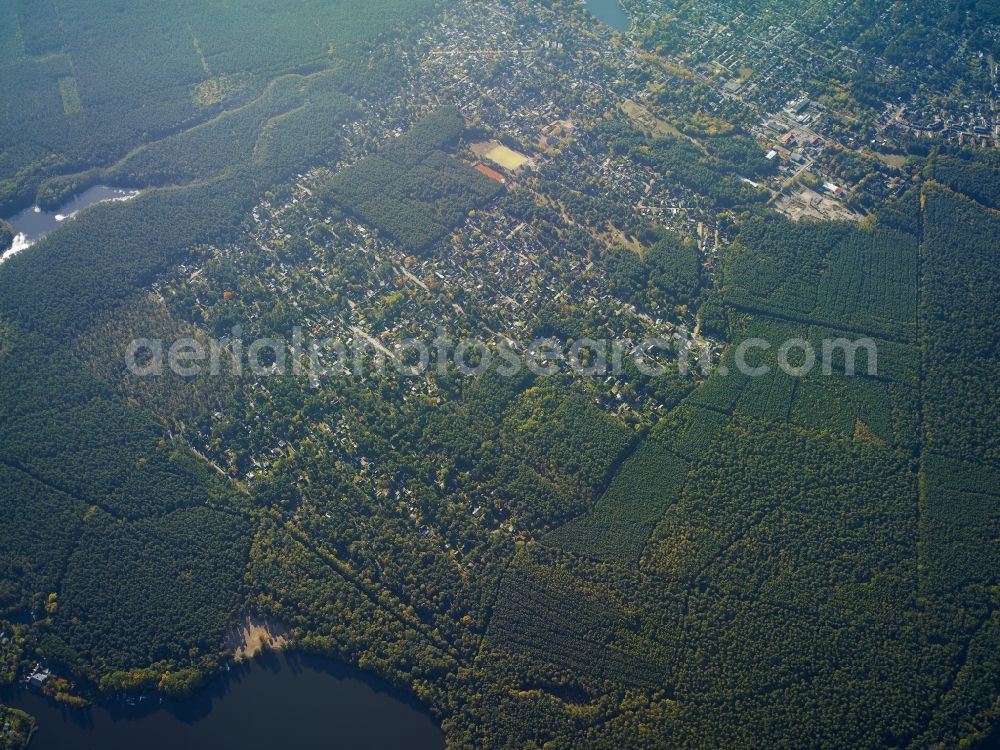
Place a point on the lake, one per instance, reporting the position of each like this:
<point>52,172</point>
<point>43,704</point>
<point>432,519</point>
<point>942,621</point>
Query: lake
<point>609,12</point>
<point>275,701</point>
<point>32,223</point>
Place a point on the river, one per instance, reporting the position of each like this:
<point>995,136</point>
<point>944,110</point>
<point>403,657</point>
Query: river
<point>609,12</point>
<point>275,701</point>
<point>32,223</point>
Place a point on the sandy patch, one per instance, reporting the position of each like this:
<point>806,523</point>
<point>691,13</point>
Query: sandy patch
<point>254,635</point>
<point>21,242</point>
<point>809,203</point>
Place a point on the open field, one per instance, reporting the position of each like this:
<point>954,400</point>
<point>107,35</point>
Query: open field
<point>497,153</point>
<point>643,119</point>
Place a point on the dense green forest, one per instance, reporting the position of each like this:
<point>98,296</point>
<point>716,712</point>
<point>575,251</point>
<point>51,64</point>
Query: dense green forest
<point>670,270</point>
<point>979,179</point>
<point>866,276</point>
<point>806,493</point>
<point>289,127</point>
<point>718,179</point>
<point>179,578</point>
<point>960,242</point>
<point>6,236</point>
<point>47,288</point>
<point>411,189</point>
<point>101,82</point>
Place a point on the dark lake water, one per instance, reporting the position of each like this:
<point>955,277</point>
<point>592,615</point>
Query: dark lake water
<point>32,223</point>
<point>609,12</point>
<point>278,701</point>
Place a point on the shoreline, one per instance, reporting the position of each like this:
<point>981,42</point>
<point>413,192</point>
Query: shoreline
<point>64,213</point>
<point>343,693</point>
